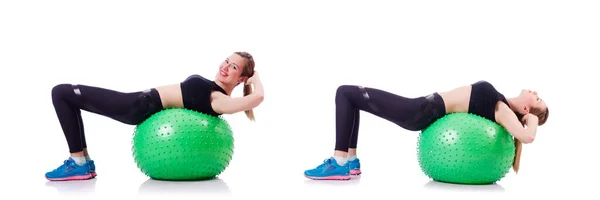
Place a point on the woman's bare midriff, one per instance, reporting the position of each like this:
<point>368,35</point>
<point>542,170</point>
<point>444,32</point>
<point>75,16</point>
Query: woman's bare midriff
<point>170,95</point>
<point>457,100</point>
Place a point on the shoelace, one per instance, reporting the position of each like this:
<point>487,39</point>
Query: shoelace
<point>325,163</point>
<point>63,166</point>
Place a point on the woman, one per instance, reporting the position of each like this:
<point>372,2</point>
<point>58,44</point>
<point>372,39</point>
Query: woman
<point>195,93</point>
<point>480,98</point>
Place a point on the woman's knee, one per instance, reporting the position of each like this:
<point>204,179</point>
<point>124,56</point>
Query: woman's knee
<point>353,92</point>
<point>343,92</point>
<point>346,89</point>
<point>62,90</point>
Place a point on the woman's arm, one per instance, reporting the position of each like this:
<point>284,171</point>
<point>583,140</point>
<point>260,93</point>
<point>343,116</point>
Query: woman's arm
<point>507,118</point>
<point>224,104</point>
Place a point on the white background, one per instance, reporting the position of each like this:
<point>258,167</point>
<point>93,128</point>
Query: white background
<point>303,50</point>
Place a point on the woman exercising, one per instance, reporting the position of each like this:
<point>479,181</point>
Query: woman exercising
<point>195,93</point>
<point>480,98</point>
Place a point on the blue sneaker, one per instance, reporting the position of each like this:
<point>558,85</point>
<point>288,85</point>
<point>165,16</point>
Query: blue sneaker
<point>92,168</point>
<point>70,170</point>
<point>354,166</point>
<point>329,170</point>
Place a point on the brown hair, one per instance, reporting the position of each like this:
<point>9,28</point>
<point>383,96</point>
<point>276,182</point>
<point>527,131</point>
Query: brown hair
<point>541,114</point>
<point>248,71</point>
<point>542,118</point>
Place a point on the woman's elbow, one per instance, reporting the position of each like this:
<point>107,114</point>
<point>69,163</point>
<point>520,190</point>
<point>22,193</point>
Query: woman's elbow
<point>527,139</point>
<point>259,99</point>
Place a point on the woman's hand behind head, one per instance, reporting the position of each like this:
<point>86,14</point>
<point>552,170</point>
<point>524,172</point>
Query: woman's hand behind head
<point>254,79</point>
<point>527,118</point>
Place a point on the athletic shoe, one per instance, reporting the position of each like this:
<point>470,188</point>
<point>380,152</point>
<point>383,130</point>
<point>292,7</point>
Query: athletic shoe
<point>354,166</point>
<point>92,168</point>
<point>70,170</point>
<point>329,170</point>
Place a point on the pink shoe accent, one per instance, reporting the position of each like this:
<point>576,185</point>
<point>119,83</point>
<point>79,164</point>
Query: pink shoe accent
<point>355,172</point>
<point>330,178</point>
<point>93,174</point>
<point>80,177</point>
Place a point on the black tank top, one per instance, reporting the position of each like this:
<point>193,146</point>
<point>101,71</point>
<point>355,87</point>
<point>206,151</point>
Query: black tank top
<point>196,90</point>
<point>484,98</point>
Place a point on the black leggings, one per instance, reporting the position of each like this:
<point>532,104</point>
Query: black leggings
<point>410,113</point>
<point>129,108</point>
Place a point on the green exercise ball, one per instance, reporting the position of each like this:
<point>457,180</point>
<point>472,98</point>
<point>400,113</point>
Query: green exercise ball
<point>181,144</point>
<point>464,148</point>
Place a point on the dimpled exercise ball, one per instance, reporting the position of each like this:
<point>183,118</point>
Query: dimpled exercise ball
<point>181,144</point>
<point>464,148</point>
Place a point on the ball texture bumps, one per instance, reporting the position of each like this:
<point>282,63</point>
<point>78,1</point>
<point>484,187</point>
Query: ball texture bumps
<point>464,148</point>
<point>181,144</point>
